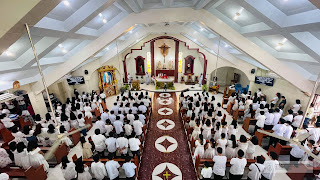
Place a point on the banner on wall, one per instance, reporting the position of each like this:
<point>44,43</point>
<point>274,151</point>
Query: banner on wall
<point>75,80</point>
<point>267,81</point>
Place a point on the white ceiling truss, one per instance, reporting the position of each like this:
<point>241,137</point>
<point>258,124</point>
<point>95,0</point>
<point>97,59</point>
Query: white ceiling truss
<point>67,30</point>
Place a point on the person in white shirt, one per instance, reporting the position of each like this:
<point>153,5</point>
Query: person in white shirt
<point>101,125</point>
<point>289,117</point>
<point>260,121</point>
<point>296,107</point>
<point>255,169</point>
<point>142,108</point>
<point>112,117</point>
<point>128,128</point>
<point>237,166</point>
<point>98,140</point>
<point>118,125</point>
<point>7,122</point>
<point>112,168</point>
<point>129,168</point>
<point>105,115</point>
<point>111,143</point>
<point>68,168</point>
<point>130,117</point>
<point>129,78</point>
<point>314,132</point>
<point>122,144</point>
<point>287,133</point>
<point>297,120</point>
<point>259,93</point>
<point>81,123</point>
<point>296,154</point>
<point>103,96</point>
<point>268,124</point>
<point>275,100</point>
<point>270,166</point>
<point>255,105</point>
<point>206,171</point>
<point>87,111</point>
<point>115,108</point>
<point>134,144</point>
<point>98,169</point>
<point>142,117</point>
<point>278,129</point>
<point>137,127</point>
<point>108,127</point>
<point>219,167</point>
<point>309,114</point>
<point>277,116</point>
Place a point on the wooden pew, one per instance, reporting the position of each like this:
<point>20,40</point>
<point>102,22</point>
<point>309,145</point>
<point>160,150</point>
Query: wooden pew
<point>36,173</point>
<point>247,122</point>
<point>75,137</point>
<point>6,135</point>
<point>97,112</point>
<point>260,136</point>
<point>104,105</point>
<point>280,149</point>
<point>224,118</point>
<point>302,171</point>
<point>61,151</point>
<point>23,122</point>
<point>229,108</point>
<point>14,172</point>
<point>237,114</point>
<point>200,163</point>
<point>88,121</point>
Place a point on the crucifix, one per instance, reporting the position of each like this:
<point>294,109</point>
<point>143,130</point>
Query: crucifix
<point>164,49</point>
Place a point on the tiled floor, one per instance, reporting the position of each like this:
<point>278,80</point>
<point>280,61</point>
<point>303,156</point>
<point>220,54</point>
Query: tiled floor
<point>56,174</point>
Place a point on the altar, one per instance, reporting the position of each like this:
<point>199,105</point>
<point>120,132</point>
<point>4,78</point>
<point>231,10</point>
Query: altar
<point>159,83</point>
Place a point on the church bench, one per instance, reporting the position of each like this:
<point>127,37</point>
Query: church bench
<point>23,123</point>
<point>200,163</point>
<point>88,121</point>
<point>223,119</point>
<point>280,149</point>
<point>229,107</point>
<point>14,172</point>
<point>6,135</point>
<point>62,150</point>
<point>247,122</point>
<point>237,114</point>
<point>88,161</point>
<point>302,171</point>
<point>75,137</point>
<point>260,136</point>
<point>36,173</point>
<point>97,112</point>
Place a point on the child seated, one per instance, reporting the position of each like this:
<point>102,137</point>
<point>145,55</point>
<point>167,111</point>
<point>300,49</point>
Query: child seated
<point>97,168</point>
<point>129,168</point>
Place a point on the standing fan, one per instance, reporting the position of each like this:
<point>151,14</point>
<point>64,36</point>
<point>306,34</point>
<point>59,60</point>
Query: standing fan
<point>296,140</point>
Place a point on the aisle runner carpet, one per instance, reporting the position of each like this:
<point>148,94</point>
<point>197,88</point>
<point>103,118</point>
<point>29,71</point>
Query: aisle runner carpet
<point>166,153</point>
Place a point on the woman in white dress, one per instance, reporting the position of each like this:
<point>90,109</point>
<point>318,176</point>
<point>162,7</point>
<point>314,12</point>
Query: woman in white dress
<point>74,121</point>
<point>231,146</point>
<point>196,130</point>
<point>87,111</point>
<point>68,168</point>
<point>21,159</point>
<point>36,156</point>
<point>242,104</point>
<point>218,118</point>
<point>207,130</point>
<point>189,112</point>
<point>232,130</point>
<point>243,145</point>
<point>252,144</point>
<point>222,142</point>
<point>218,130</point>
<point>210,149</point>
<point>82,170</point>
<point>199,144</point>
<point>4,158</point>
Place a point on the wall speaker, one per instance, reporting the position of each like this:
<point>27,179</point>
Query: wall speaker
<point>253,71</point>
<point>86,72</point>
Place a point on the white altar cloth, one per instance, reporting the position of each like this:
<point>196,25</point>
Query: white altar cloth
<point>170,79</point>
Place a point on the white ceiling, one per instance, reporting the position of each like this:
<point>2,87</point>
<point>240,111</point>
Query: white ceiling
<point>294,23</point>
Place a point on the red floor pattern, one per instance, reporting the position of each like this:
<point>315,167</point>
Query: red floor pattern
<point>152,157</point>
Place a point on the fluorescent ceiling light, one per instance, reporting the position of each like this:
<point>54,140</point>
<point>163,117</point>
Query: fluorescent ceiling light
<point>65,2</point>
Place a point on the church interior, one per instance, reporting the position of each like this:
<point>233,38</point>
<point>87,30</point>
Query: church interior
<point>159,89</point>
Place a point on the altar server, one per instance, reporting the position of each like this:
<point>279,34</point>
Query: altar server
<point>147,78</point>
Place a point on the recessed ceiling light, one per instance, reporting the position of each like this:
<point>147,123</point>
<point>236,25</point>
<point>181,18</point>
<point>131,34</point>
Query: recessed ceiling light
<point>100,14</point>
<point>226,45</point>
<point>195,39</point>
<point>201,29</point>
<point>238,14</point>
<point>65,2</point>
<point>64,50</point>
<point>60,45</point>
<point>107,48</point>
<point>104,20</point>
<point>8,53</point>
<point>130,32</point>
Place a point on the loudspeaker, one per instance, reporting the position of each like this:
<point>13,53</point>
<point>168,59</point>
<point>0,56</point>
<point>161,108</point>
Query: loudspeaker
<point>86,72</point>
<point>253,71</point>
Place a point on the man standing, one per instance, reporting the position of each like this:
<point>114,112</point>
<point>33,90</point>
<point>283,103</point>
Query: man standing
<point>309,114</point>
<point>147,78</point>
<point>200,80</point>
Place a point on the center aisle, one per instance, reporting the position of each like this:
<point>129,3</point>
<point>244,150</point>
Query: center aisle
<point>166,153</point>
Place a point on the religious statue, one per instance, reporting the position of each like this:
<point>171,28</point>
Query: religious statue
<point>170,65</point>
<point>164,50</point>
<point>159,65</point>
<point>141,68</point>
<point>188,68</point>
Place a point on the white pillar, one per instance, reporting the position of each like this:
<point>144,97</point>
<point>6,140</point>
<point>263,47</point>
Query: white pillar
<point>38,104</point>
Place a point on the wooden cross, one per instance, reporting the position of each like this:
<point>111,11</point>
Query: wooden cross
<point>167,175</point>
<point>164,49</point>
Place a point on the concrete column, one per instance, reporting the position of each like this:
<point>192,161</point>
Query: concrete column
<point>38,104</point>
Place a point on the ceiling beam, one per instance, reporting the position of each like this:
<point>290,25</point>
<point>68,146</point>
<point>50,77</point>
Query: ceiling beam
<point>201,4</point>
<point>173,15</point>
<point>167,3</point>
<point>32,17</point>
<point>315,3</point>
<point>133,4</point>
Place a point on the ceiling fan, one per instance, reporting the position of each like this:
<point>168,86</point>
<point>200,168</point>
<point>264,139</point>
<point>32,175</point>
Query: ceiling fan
<point>57,143</point>
<point>296,140</point>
